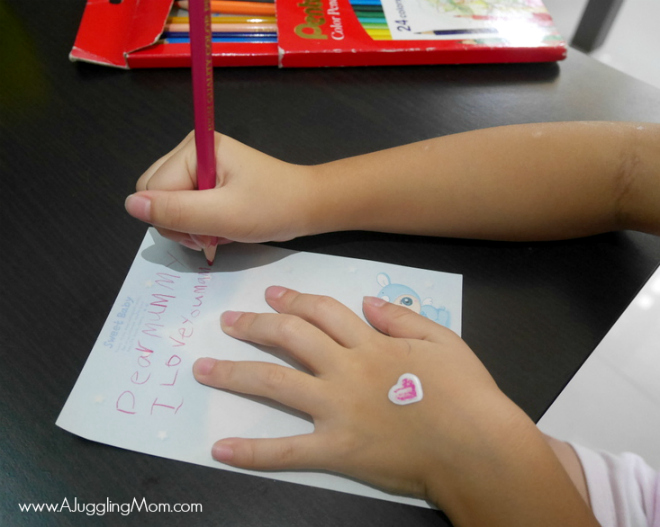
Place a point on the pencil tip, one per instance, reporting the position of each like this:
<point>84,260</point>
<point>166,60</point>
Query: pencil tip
<point>209,252</point>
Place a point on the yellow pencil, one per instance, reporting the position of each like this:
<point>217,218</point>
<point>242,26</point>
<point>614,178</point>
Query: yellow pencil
<point>379,34</point>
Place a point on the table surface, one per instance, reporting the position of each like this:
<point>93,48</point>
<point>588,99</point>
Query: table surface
<point>75,137</point>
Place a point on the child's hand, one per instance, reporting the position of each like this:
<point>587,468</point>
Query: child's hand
<point>465,446</point>
<point>258,198</point>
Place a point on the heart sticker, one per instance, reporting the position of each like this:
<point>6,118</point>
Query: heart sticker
<point>407,390</point>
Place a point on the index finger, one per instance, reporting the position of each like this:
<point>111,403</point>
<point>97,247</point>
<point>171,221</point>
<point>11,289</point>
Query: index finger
<point>174,171</point>
<point>329,315</point>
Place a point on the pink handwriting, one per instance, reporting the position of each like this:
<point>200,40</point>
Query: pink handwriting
<point>156,404</point>
<point>159,306</point>
<point>158,368</point>
<point>166,279</point>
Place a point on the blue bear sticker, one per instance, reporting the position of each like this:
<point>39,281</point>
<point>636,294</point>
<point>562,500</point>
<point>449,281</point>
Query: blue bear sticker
<point>405,296</point>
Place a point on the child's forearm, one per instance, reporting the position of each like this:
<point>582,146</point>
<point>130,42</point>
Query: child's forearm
<point>522,182</point>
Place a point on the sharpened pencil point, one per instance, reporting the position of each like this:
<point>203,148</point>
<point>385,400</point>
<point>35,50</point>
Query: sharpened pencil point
<point>209,252</point>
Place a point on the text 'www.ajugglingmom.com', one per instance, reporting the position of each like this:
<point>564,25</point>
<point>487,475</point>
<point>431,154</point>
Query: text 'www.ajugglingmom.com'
<point>108,507</point>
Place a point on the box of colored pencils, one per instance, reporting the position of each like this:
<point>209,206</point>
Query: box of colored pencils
<point>313,33</point>
<point>155,34</point>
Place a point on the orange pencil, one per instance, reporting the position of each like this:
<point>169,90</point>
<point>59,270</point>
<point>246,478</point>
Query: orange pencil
<point>229,19</point>
<point>226,28</point>
<point>237,8</point>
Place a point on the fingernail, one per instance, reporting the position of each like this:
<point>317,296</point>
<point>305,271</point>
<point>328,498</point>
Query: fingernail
<point>374,301</point>
<point>203,366</point>
<point>139,207</point>
<point>222,452</point>
<point>229,318</point>
<point>275,292</point>
<point>190,244</point>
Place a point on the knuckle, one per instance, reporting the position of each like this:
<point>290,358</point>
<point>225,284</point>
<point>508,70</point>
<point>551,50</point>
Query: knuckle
<point>245,322</point>
<point>246,454</point>
<point>288,328</point>
<point>324,304</point>
<point>286,454</point>
<point>312,304</point>
<point>275,377</point>
<point>226,374</point>
<point>170,212</point>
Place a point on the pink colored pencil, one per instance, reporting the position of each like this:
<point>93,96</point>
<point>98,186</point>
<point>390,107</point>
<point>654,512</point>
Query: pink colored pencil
<point>202,80</point>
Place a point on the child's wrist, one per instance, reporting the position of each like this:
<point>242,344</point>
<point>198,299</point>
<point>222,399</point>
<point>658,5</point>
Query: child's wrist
<point>306,208</point>
<point>336,202</point>
<point>507,472</point>
<point>318,202</point>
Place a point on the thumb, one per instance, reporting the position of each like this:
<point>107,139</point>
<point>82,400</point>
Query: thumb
<point>401,322</point>
<point>183,211</point>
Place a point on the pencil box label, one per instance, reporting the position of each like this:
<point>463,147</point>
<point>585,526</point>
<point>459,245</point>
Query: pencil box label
<point>467,20</point>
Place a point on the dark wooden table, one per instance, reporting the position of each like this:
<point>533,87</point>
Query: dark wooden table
<point>73,140</point>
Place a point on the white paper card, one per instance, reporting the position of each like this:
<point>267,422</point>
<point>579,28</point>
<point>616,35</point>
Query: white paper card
<point>137,391</point>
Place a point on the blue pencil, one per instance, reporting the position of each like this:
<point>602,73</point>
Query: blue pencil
<point>373,20</point>
<point>470,31</point>
<point>365,2</point>
<point>225,34</point>
<point>251,39</point>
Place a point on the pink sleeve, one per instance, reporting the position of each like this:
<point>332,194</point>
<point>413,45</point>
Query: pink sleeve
<point>624,491</point>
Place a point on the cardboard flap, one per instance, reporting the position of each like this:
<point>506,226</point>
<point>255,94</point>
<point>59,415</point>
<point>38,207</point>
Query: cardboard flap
<point>110,29</point>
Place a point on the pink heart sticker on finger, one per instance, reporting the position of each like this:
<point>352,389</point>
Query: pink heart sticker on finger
<point>407,390</point>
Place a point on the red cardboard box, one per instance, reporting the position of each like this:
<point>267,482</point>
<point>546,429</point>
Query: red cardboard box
<point>314,33</point>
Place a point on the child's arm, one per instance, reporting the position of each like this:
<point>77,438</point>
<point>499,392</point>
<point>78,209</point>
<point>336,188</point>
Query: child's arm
<point>464,446</point>
<point>522,182</point>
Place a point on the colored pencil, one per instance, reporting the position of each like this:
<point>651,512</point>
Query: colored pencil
<point>375,26</point>
<point>368,9</point>
<point>231,19</point>
<point>226,40</point>
<point>379,34</point>
<point>379,30</point>
<point>202,79</point>
<point>375,21</point>
<point>223,37</point>
<point>236,7</point>
<point>370,16</point>
<point>225,28</point>
<point>365,2</point>
<point>467,31</point>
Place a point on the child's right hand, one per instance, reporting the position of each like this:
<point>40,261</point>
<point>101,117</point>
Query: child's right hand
<point>258,198</point>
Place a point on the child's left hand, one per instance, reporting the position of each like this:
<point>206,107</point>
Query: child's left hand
<point>460,444</point>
